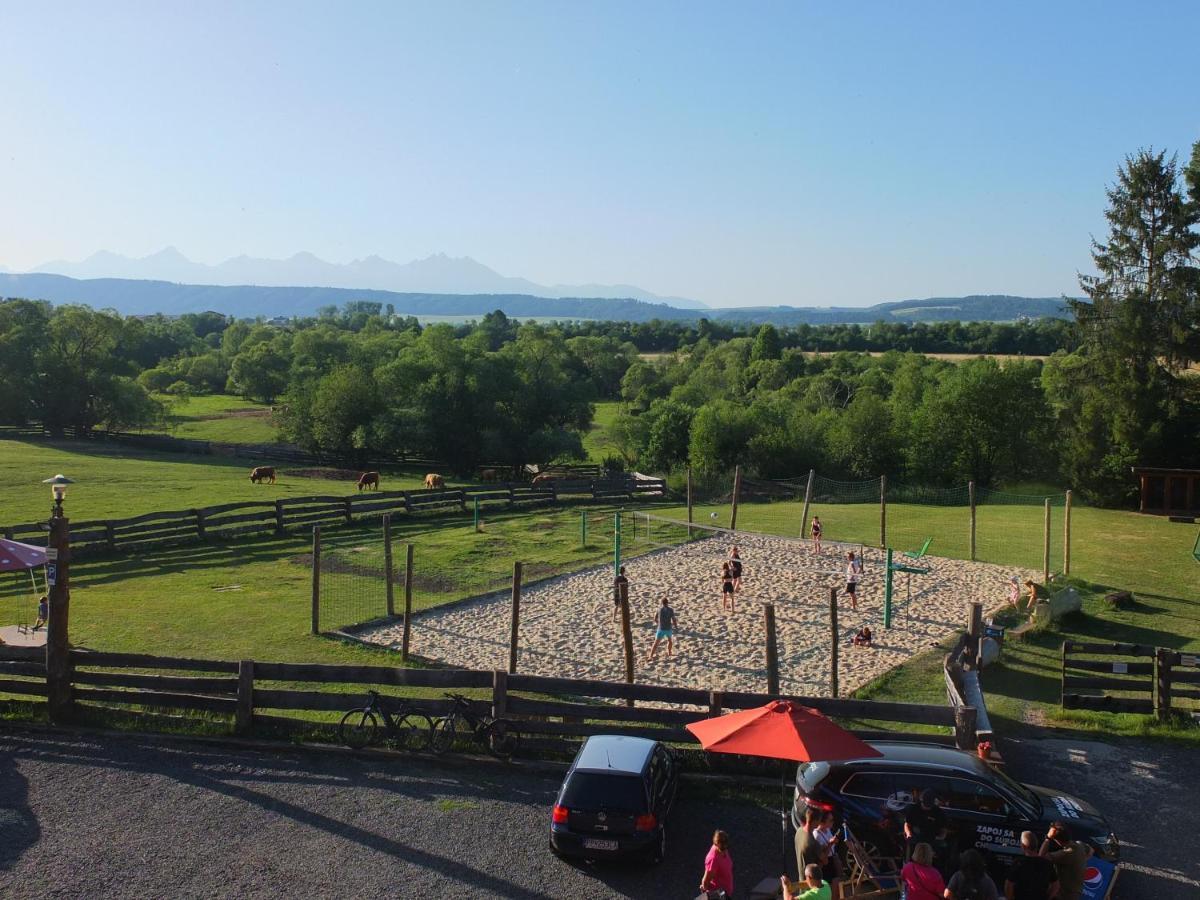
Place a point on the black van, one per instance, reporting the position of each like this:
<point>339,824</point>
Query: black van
<point>615,800</point>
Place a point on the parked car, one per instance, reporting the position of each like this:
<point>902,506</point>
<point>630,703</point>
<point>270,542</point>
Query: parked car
<point>615,800</point>
<point>984,808</point>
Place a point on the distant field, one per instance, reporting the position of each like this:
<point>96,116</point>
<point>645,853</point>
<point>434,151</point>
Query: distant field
<point>221,417</point>
<point>595,443</point>
<point>948,357</point>
<point>117,482</point>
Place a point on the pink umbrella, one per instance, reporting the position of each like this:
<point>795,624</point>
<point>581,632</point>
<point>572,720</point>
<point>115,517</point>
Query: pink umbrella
<point>15,556</point>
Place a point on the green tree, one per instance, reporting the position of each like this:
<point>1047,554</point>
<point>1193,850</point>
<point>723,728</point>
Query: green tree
<point>668,433</point>
<point>260,373</point>
<point>766,344</point>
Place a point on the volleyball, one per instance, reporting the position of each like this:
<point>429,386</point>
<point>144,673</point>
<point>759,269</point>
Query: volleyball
<point>712,515</point>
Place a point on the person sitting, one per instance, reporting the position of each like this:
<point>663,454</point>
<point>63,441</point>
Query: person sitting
<point>43,612</point>
<point>1036,591</point>
<point>813,887</point>
<point>863,638</point>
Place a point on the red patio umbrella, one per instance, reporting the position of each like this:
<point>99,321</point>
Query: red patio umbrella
<point>780,730</point>
<point>15,556</point>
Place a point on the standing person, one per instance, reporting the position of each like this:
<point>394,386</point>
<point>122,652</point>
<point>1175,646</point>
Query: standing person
<point>726,587</point>
<point>809,851</point>
<point>924,823</point>
<point>828,838</point>
<point>853,573</point>
<point>1014,591</point>
<point>718,866</point>
<point>1070,860</point>
<point>735,566</point>
<point>43,612</point>
<point>971,881</point>
<point>617,583</point>
<point>921,880</point>
<point>1031,876</point>
<point>664,628</point>
<point>815,531</point>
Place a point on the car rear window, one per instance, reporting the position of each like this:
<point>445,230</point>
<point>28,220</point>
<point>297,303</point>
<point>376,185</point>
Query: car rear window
<point>599,790</point>
<point>811,774</point>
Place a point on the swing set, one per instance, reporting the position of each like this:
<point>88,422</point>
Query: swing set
<point>16,557</point>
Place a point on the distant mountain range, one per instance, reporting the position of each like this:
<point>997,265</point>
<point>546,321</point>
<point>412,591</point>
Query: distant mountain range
<point>140,297</point>
<point>437,274</point>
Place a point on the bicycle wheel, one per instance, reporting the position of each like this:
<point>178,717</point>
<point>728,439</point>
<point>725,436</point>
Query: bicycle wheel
<point>448,731</point>
<point>414,731</point>
<point>500,739</point>
<point>358,728</point>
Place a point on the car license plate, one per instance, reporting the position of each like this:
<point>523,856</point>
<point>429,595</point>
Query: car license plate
<point>597,844</point>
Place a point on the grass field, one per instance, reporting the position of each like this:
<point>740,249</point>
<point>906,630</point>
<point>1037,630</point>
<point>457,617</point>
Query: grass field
<point>220,417</point>
<point>595,442</point>
<point>117,482</point>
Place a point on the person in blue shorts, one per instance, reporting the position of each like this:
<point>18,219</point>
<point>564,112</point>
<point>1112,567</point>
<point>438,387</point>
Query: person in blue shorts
<point>664,629</point>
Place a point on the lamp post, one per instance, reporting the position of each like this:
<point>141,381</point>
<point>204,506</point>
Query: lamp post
<point>58,561</point>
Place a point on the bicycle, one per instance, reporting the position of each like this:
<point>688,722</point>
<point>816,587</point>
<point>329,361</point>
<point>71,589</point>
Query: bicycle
<point>407,726</point>
<point>462,722</point>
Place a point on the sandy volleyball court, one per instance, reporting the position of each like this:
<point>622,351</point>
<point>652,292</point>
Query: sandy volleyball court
<point>567,627</point>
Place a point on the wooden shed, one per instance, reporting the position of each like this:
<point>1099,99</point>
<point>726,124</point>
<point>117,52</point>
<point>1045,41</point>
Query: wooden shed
<point>1168,492</point>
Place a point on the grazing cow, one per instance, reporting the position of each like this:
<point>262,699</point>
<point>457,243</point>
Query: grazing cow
<point>487,475</point>
<point>433,480</point>
<point>368,480</point>
<point>259,474</point>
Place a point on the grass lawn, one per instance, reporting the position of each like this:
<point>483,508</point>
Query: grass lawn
<point>220,417</point>
<point>117,482</point>
<point>595,441</point>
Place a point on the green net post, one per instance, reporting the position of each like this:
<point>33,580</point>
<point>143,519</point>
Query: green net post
<point>887,592</point>
<point>583,528</point>
<point>616,544</point>
<point>477,515</point>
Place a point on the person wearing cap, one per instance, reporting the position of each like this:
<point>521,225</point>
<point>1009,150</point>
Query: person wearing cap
<point>1070,860</point>
<point>925,823</point>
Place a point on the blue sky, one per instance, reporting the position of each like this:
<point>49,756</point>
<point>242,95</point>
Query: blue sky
<point>761,153</point>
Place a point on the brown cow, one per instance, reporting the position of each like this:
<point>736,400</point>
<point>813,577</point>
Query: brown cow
<point>259,474</point>
<point>433,480</point>
<point>368,480</point>
<point>487,475</point>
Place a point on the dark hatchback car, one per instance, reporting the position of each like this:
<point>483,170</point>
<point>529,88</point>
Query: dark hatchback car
<point>984,808</point>
<point>615,800</point>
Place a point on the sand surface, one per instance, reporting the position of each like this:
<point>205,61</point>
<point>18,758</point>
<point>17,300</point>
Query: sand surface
<point>567,627</point>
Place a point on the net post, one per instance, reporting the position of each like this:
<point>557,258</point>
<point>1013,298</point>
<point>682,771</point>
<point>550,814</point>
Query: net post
<point>616,543</point>
<point>583,529</point>
<point>316,580</point>
<point>971,495</point>
<point>833,647</point>
<point>477,515</point>
<point>807,500</point>
<point>626,634</point>
<point>772,649</point>
<point>408,586</point>
<point>882,510</point>
<point>515,624</point>
<point>887,591</point>
<point>388,569</point>
<point>737,489</point>
<point>1046,544</point>
<point>689,500</point>
<point>1067,535</point>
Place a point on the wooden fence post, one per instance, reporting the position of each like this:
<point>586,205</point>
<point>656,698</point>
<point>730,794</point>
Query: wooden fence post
<point>964,727</point>
<point>737,489</point>
<point>389,572</point>
<point>515,623</point>
<point>833,647</point>
<point>499,694</point>
<point>971,496</point>
<point>408,586</point>
<point>882,510</point>
<point>974,629</point>
<point>244,718</point>
<point>626,633</point>
<point>199,514</point>
<point>346,510</point>
<point>279,517</point>
<point>59,667</point>
<point>110,536</point>
<point>316,580</point>
<point>1163,660</point>
<point>716,703</point>
<point>772,650</point>
<point>1067,536</point>
<point>689,499</point>
<point>1046,544</point>
<point>807,501</point>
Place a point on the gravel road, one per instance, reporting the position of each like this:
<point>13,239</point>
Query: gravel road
<point>136,816</point>
<point>140,816</point>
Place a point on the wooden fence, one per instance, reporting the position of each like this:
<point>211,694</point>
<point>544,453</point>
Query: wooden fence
<point>279,516</point>
<point>550,713</point>
<point>1130,678</point>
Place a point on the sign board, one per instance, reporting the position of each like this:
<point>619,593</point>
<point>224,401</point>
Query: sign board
<point>1098,879</point>
<point>51,553</point>
<point>51,573</point>
<point>1120,668</point>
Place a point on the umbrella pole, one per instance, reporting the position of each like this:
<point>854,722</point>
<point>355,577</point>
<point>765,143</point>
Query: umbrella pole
<point>783,829</point>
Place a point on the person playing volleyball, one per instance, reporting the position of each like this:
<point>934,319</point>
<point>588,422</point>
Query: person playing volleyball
<point>726,587</point>
<point>815,531</point>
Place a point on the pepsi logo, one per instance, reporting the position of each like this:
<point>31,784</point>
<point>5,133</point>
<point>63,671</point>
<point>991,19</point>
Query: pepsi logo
<point>1093,877</point>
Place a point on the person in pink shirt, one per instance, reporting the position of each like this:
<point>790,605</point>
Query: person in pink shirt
<point>718,866</point>
<point>921,880</point>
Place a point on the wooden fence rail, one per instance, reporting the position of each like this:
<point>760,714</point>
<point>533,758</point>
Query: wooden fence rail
<point>1117,682</point>
<point>290,513</point>
<point>553,712</point>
